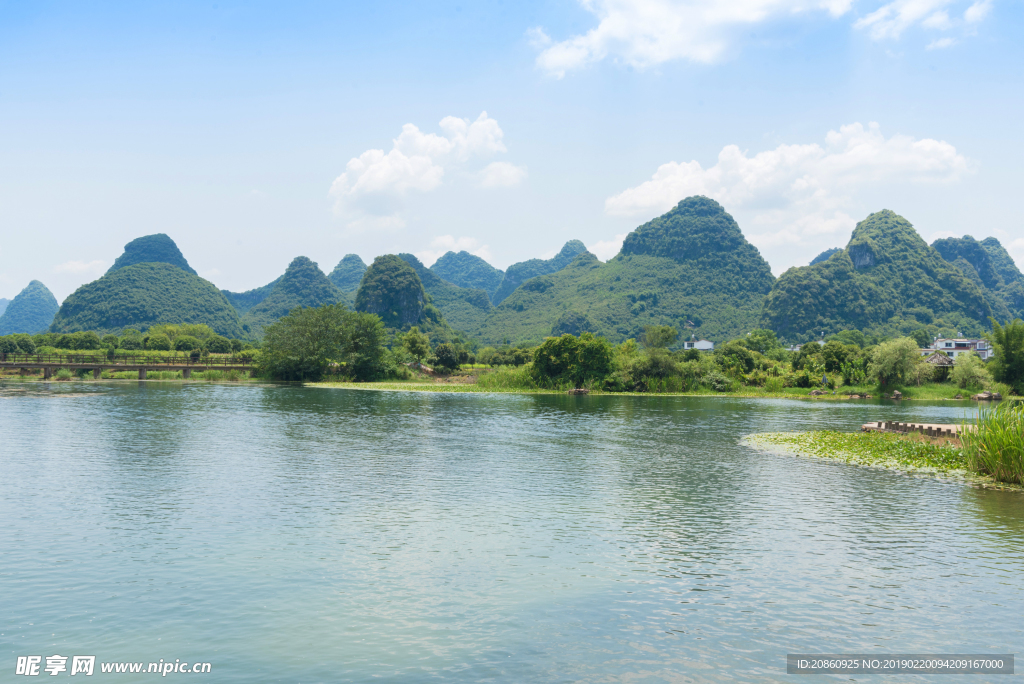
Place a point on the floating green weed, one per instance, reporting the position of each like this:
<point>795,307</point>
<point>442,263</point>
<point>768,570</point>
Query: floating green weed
<point>868,448</point>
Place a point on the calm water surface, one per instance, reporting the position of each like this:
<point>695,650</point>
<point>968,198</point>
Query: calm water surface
<point>313,535</point>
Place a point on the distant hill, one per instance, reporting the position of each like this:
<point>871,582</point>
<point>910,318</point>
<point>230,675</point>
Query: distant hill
<point>990,266</point>
<point>3,305</point>
<point>469,271</point>
<point>824,256</point>
<point>142,295</point>
<point>690,268</point>
<point>393,290</point>
<point>886,271</point>
<point>31,311</point>
<point>348,273</point>
<point>519,273</point>
<point>243,301</point>
<point>303,284</point>
<point>158,248</point>
<point>463,308</point>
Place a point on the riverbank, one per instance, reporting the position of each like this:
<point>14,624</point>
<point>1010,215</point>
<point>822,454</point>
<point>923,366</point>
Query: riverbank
<point>914,454</point>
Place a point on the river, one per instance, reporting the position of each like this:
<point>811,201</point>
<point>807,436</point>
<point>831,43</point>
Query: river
<point>288,534</point>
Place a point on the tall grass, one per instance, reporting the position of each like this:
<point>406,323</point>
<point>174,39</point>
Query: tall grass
<point>507,378</point>
<point>995,446</point>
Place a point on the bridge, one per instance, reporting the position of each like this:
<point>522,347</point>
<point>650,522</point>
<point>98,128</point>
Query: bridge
<point>99,363</point>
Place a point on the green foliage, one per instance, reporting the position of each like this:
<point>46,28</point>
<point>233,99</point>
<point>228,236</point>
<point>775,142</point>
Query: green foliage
<point>310,342</point>
<point>468,271</point>
<point>893,361</point>
<point>834,355</point>
<point>303,284</point>
<point>218,345</point>
<point>658,336</point>
<point>885,267</point>
<point>735,357</point>
<point>63,374</point>
<point>572,323</point>
<point>463,308</point>
<point>243,301</point>
<point>447,356</point>
<point>31,311</point>
<point>416,344</point>
<point>519,273</point>
<point>131,342</point>
<point>991,268</point>
<point>1008,344</point>
<point>184,343</point>
<point>762,340</point>
<point>348,273</point>
<point>8,345</point>
<point>110,341</point>
<point>851,338</point>
<point>158,342</point>
<point>826,255</point>
<point>157,248</point>
<point>969,372</point>
<point>579,360</point>
<point>144,295</point>
<point>392,290</point>
<point>995,445</point>
<point>199,331</point>
<point>922,337</point>
<point>505,357</point>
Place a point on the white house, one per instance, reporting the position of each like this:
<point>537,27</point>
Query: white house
<point>956,346</point>
<point>699,345</point>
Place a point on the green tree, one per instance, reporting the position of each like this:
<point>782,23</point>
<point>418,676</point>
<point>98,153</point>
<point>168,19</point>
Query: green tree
<point>734,356</point>
<point>303,344</point>
<point>893,361</point>
<point>416,344</point>
<point>218,345</point>
<point>762,340</point>
<point>658,336</point>
<point>574,359</point>
<point>186,343</point>
<point>447,356</point>
<point>110,341</point>
<point>834,354</point>
<point>1008,342</point>
<point>365,354</point>
<point>922,337</point>
<point>969,372</point>
<point>159,342</point>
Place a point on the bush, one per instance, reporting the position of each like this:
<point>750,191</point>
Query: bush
<point>110,341</point>
<point>130,342</point>
<point>159,342</point>
<point>802,379</point>
<point>446,356</point>
<point>719,382</point>
<point>893,361</point>
<point>969,372</point>
<point>246,354</point>
<point>63,374</point>
<point>995,446</point>
<point>577,360</point>
<point>218,345</point>
<point>182,343</point>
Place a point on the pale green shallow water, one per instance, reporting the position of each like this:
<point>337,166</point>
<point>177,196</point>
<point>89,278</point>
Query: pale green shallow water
<point>313,535</point>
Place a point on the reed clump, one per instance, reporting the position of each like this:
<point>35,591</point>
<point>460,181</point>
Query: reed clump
<point>995,445</point>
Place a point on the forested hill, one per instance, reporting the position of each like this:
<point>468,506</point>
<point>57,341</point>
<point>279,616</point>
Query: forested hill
<point>158,248</point>
<point>462,308</point>
<point>469,271</point>
<point>824,256</point>
<point>347,274</point>
<point>145,294</point>
<point>392,289</point>
<point>3,305</point>
<point>885,271</point>
<point>519,273</point>
<point>31,311</point>
<point>243,301</point>
<point>690,268</point>
<point>989,265</point>
<point>303,284</point>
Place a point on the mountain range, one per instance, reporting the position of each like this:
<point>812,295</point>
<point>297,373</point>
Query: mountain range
<point>691,268</point>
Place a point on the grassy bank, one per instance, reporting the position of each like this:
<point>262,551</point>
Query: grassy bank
<point>912,453</point>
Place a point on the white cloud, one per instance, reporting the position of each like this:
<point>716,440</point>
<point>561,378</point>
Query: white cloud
<point>795,192</point>
<point>891,20</point>
<point>501,175</point>
<point>442,244</point>
<point>82,267</point>
<point>941,44</point>
<point>939,20</point>
<point>978,11</point>
<point>644,33</point>
<point>606,249</point>
<point>376,182</point>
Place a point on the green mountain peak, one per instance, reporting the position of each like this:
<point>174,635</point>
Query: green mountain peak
<point>158,248</point>
<point>31,311</point>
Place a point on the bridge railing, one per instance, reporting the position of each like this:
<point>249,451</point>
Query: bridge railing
<point>101,359</point>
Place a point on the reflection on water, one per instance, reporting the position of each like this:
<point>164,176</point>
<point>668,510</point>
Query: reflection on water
<point>289,534</point>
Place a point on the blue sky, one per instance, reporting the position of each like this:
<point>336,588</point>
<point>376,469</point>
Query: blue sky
<point>253,133</point>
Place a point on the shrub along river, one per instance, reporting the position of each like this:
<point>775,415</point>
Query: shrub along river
<point>289,534</point>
